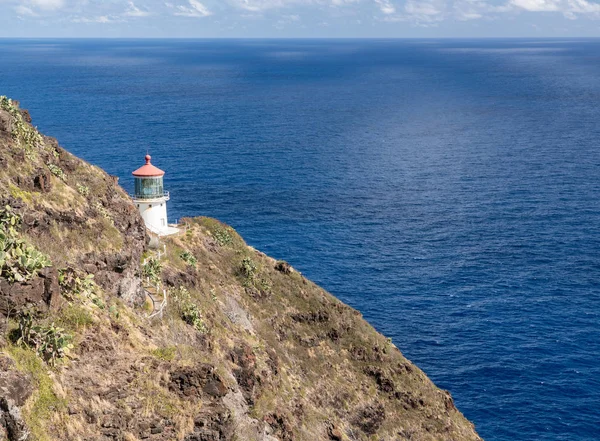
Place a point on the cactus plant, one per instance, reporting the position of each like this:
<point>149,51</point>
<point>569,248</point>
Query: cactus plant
<point>79,286</point>
<point>22,132</point>
<point>188,258</point>
<point>49,342</point>
<point>152,269</point>
<point>18,260</point>
<point>57,171</point>
<point>188,310</point>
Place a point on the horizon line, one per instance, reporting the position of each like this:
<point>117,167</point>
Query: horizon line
<point>310,38</point>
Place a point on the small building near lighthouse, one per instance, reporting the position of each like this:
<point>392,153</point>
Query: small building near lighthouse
<point>151,198</point>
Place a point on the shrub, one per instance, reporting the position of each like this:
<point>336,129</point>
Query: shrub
<point>83,190</point>
<point>264,285</point>
<point>18,260</point>
<point>56,171</point>
<point>248,268</point>
<point>49,342</point>
<point>18,193</point>
<point>165,354</point>
<point>188,310</point>
<point>76,286</point>
<point>253,278</point>
<point>190,313</point>
<point>152,269</point>
<point>223,236</point>
<point>188,258</point>
<point>114,312</point>
<point>26,135</point>
<point>103,211</point>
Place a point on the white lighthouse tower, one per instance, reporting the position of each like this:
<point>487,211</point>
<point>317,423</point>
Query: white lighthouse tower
<point>151,199</point>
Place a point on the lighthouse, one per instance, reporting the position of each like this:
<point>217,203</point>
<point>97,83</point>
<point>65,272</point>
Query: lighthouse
<point>151,199</point>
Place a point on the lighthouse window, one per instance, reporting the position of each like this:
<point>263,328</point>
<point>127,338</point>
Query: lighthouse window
<point>161,205</point>
<point>162,221</point>
<point>148,188</point>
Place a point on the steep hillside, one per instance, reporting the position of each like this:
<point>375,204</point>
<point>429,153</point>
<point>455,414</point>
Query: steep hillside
<point>108,334</point>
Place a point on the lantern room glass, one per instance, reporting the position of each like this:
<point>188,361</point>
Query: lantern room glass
<point>149,188</point>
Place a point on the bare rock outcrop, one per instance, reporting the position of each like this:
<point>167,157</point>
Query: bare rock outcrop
<point>15,388</point>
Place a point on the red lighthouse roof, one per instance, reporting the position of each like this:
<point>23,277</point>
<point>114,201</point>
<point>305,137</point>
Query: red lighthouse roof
<point>148,170</point>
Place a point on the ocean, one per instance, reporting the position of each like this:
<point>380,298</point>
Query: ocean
<point>447,189</point>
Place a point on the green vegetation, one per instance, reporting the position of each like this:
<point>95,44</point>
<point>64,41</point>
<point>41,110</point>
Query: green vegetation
<point>114,312</point>
<point>223,236</point>
<point>166,354</point>
<point>27,136</point>
<point>188,310</point>
<point>103,211</point>
<point>263,284</point>
<point>248,270</point>
<point>17,193</point>
<point>45,402</point>
<point>83,190</point>
<point>252,278</point>
<point>49,342</point>
<point>57,171</point>
<point>76,286</point>
<point>152,269</point>
<point>188,258</point>
<point>18,260</point>
<point>74,318</point>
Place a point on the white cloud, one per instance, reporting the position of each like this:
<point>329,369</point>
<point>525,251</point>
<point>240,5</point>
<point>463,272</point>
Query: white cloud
<point>464,16</point>
<point>583,6</point>
<point>426,12</point>
<point>99,19</point>
<point>386,6</point>
<point>432,12</point>
<point>536,5</point>
<point>260,5</point>
<point>263,5</point>
<point>286,20</point>
<point>22,10</point>
<point>423,8</point>
<point>465,10</point>
<point>134,11</point>
<point>48,4</point>
<point>196,9</point>
<point>571,9</point>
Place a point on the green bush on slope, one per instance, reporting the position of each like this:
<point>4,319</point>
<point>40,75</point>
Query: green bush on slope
<point>27,136</point>
<point>18,261</point>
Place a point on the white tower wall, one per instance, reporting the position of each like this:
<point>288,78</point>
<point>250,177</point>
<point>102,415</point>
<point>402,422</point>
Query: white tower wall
<point>154,214</point>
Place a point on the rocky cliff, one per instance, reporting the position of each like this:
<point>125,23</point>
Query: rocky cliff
<point>108,334</point>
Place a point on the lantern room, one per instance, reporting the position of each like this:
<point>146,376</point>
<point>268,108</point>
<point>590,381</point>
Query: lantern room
<point>148,181</point>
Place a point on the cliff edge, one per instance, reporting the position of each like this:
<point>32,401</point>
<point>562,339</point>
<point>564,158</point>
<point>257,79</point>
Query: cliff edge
<point>108,334</point>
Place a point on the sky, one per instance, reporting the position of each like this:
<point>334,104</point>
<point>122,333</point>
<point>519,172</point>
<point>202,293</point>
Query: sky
<point>299,18</point>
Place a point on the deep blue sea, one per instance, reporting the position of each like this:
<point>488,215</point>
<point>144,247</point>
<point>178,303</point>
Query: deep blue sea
<point>448,189</point>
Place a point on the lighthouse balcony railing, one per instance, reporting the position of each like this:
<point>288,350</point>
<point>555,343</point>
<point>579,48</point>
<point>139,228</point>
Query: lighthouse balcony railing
<point>151,197</point>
